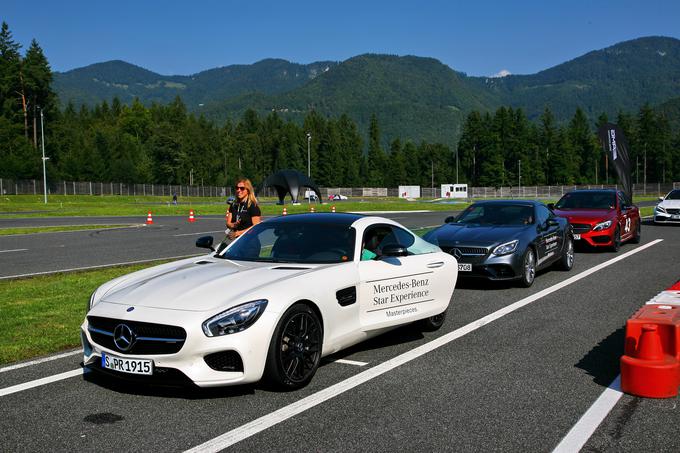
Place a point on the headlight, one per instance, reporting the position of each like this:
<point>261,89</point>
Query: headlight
<point>660,208</point>
<point>602,225</point>
<point>235,319</point>
<point>506,248</point>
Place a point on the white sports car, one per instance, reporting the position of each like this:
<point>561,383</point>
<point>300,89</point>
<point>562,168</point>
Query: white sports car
<point>270,304</point>
<point>668,209</point>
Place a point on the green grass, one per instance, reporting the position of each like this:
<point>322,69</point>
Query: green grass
<point>84,205</point>
<point>42,315</point>
<point>55,229</point>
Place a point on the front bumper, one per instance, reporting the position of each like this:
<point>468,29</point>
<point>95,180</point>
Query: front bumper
<point>189,364</point>
<point>661,217</point>
<point>492,267</point>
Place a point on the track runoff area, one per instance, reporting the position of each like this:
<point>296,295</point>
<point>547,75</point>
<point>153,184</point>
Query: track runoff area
<point>512,369</point>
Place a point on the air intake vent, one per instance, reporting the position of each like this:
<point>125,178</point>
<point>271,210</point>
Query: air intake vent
<point>290,268</point>
<point>204,262</point>
<point>224,361</point>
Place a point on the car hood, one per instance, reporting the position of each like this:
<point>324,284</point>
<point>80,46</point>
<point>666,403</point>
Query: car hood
<point>672,204</point>
<point>584,215</point>
<point>452,234</point>
<point>199,286</point>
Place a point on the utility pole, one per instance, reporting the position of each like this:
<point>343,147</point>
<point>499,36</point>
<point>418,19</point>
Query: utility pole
<point>456,165</point>
<point>309,165</point>
<point>44,159</point>
<point>519,177</point>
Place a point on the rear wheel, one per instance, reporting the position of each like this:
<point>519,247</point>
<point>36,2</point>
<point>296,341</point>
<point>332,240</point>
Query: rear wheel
<point>433,322</point>
<point>295,349</point>
<point>616,245</point>
<point>528,268</point>
<point>638,232</point>
<point>567,260</point>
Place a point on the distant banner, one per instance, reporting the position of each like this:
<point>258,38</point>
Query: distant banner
<point>616,146</point>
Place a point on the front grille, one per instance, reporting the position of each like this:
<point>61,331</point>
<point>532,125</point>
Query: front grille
<point>580,227</point>
<point>467,251</point>
<point>224,361</point>
<point>150,338</point>
<point>673,211</point>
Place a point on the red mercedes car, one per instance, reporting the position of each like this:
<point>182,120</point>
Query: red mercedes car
<point>600,218</point>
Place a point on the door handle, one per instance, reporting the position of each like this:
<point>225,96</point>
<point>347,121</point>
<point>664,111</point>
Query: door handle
<point>435,264</point>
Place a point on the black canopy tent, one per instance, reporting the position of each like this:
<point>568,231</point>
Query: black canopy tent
<point>288,181</point>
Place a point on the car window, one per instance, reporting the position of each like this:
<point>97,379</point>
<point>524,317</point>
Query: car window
<point>673,195</point>
<point>542,214</point>
<point>587,200</point>
<point>378,237</point>
<point>293,243</point>
<point>497,214</point>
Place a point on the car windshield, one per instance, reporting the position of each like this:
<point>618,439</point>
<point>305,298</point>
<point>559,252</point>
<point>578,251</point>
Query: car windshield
<point>587,200</point>
<point>497,214</point>
<point>673,195</point>
<point>289,242</point>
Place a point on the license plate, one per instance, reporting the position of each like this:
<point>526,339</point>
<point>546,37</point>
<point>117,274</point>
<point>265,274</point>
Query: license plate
<point>125,365</point>
<point>675,217</point>
<point>464,267</point>
<point>577,236</point>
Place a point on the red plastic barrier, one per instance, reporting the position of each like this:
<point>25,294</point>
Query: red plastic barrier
<point>650,366</point>
<point>675,287</point>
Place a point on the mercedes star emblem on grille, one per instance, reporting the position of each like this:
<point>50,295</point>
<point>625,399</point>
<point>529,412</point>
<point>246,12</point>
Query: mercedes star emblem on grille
<point>123,337</point>
<point>456,253</point>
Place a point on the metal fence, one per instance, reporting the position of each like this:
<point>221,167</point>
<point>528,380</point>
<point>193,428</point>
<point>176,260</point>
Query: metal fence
<point>35,187</point>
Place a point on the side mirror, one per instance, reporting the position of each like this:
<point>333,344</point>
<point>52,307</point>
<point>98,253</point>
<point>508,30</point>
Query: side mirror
<point>394,250</point>
<point>205,242</point>
<point>450,219</point>
<point>551,206</point>
<point>552,222</point>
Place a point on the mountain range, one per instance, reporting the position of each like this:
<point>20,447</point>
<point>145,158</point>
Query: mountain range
<point>414,98</point>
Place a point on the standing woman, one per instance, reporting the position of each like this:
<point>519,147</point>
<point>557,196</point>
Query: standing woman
<point>244,211</point>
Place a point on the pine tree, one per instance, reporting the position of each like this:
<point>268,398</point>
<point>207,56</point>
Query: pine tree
<point>376,155</point>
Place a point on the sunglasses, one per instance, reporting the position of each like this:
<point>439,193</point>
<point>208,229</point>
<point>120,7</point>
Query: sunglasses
<point>240,188</point>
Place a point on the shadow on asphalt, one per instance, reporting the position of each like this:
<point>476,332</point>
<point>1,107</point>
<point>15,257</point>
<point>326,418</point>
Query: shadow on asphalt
<point>602,362</point>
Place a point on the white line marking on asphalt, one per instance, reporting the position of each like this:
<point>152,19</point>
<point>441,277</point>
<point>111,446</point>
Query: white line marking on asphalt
<point>351,362</point>
<point>15,250</point>
<point>577,437</point>
<point>195,234</point>
<point>38,382</point>
<point>39,361</point>
<point>99,266</point>
<point>267,421</point>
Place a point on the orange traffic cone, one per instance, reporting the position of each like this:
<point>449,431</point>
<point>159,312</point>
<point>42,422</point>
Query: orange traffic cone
<point>149,220</point>
<point>285,212</point>
<point>332,208</point>
<point>191,216</point>
<point>311,209</point>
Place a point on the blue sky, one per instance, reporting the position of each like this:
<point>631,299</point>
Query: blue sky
<point>476,37</point>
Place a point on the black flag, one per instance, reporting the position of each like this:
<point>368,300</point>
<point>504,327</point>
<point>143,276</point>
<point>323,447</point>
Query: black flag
<point>616,146</point>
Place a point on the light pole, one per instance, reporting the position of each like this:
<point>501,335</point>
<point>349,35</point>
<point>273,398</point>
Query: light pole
<point>42,142</point>
<point>309,144</point>
<point>519,178</point>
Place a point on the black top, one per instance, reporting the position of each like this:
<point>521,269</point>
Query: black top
<point>241,211</point>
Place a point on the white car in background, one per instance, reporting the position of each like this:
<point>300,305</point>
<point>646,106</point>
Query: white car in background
<point>668,209</point>
<point>270,304</point>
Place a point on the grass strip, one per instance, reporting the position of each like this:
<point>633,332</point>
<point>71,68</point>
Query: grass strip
<point>56,229</point>
<point>42,315</point>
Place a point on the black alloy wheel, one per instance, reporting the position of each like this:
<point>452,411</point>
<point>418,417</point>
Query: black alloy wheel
<point>295,348</point>
<point>528,268</point>
<point>433,322</point>
<point>616,245</point>
<point>567,260</point>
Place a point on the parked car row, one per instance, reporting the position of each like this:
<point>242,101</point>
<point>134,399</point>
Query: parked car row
<point>295,288</point>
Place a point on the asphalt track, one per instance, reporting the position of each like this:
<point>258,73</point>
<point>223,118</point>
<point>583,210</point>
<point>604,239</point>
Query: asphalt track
<point>517,383</point>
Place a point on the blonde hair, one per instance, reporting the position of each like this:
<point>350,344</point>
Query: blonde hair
<point>251,192</point>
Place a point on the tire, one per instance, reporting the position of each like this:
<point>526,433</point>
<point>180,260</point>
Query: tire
<point>617,241</point>
<point>295,349</point>
<point>528,268</point>
<point>567,261</point>
<point>432,323</point>
<point>638,232</point>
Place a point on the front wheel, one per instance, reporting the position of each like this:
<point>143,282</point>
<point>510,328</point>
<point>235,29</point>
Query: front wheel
<point>638,232</point>
<point>295,349</point>
<point>528,268</point>
<point>567,260</point>
<point>433,322</point>
<point>616,245</point>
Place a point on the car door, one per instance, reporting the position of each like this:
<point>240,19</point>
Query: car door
<point>625,216</point>
<point>550,237</point>
<point>398,290</point>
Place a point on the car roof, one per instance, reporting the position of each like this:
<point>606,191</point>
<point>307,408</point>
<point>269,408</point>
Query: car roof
<point>321,218</point>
